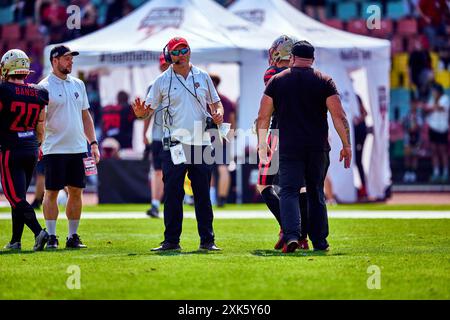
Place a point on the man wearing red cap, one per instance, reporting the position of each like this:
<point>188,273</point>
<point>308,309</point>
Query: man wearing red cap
<point>184,92</point>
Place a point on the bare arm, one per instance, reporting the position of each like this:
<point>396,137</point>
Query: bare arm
<point>217,112</point>
<point>146,126</point>
<point>89,132</point>
<point>342,127</point>
<point>40,127</point>
<point>262,125</point>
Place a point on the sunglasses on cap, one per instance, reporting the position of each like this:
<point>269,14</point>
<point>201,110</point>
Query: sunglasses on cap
<point>176,53</point>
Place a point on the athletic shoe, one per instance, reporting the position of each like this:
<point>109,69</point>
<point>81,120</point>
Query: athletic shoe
<point>290,247</point>
<point>166,246</point>
<point>40,240</point>
<point>13,246</point>
<point>153,212</point>
<point>280,242</point>
<point>74,242</point>
<point>53,242</point>
<point>303,244</point>
<point>209,247</point>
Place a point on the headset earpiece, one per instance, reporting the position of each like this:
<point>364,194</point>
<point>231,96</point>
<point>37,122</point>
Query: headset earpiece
<point>167,56</point>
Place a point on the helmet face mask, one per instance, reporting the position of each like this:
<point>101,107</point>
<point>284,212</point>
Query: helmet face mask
<point>281,49</point>
<point>15,62</point>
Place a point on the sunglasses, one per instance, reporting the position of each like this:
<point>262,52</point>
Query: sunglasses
<point>176,53</point>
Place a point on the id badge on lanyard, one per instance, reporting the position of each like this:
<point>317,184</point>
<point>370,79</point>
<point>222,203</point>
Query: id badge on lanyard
<point>177,154</point>
<point>90,168</point>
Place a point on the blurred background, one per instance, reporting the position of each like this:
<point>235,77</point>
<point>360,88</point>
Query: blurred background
<point>418,32</point>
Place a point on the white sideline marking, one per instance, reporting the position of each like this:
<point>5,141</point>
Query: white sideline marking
<point>233,214</point>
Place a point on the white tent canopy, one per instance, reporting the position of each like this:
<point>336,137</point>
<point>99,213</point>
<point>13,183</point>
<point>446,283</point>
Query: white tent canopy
<point>343,56</point>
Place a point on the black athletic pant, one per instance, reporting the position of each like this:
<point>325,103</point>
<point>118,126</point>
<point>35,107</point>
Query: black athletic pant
<point>311,167</point>
<point>360,138</point>
<point>199,173</point>
<point>17,168</point>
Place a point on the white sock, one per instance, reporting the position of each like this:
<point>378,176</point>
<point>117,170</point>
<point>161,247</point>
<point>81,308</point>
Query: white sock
<point>212,195</point>
<point>156,203</point>
<point>73,227</point>
<point>51,227</point>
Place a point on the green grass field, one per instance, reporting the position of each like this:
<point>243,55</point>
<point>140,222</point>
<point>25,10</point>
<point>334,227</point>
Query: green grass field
<point>413,256</point>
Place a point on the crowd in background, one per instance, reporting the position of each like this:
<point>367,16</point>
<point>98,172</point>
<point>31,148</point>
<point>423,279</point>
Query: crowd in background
<point>422,56</point>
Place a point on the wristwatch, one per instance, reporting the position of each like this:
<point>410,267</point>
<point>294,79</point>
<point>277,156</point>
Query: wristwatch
<point>93,142</point>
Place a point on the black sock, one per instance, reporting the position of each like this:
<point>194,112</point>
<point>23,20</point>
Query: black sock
<point>272,201</point>
<point>303,201</point>
<point>17,227</point>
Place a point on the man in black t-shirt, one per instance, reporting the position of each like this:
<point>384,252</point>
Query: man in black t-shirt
<point>21,133</point>
<point>302,96</point>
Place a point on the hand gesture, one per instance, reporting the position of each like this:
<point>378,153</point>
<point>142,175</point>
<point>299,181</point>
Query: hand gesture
<point>346,155</point>
<point>139,108</point>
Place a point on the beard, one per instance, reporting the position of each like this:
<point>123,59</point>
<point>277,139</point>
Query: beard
<point>64,70</point>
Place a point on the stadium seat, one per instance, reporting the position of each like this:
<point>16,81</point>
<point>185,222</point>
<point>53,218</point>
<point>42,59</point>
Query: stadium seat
<point>385,31</point>
<point>364,14</point>
<point>395,79</point>
<point>397,10</point>
<point>443,78</point>
<point>407,27</point>
<point>412,41</point>
<point>434,60</point>
<point>335,23</point>
<point>347,11</point>
<point>402,99</point>
<point>400,62</point>
<point>6,15</point>
<point>397,44</point>
<point>32,32</point>
<point>358,26</point>
<point>10,32</point>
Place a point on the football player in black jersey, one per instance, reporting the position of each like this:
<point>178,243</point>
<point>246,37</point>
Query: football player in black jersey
<point>21,132</point>
<point>279,55</point>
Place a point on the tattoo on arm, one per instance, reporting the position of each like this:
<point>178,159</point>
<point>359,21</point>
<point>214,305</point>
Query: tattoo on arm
<point>347,129</point>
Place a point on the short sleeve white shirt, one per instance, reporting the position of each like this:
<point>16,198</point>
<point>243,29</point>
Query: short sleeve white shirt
<point>438,120</point>
<point>186,101</point>
<point>64,130</point>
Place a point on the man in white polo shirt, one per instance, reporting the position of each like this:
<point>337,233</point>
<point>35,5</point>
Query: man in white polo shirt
<point>68,126</point>
<point>184,91</point>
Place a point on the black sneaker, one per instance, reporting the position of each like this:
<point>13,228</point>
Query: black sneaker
<point>53,242</point>
<point>40,240</point>
<point>153,212</point>
<point>74,242</point>
<point>209,246</point>
<point>13,246</point>
<point>166,246</point>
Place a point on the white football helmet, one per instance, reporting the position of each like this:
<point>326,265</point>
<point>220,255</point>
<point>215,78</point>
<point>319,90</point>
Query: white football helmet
<point>281,49</point>
<point>15,61</point>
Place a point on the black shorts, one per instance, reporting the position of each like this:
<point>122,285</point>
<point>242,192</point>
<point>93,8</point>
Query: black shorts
<point>64,170</point>
<point>438,137</point>
<point>157,151</point>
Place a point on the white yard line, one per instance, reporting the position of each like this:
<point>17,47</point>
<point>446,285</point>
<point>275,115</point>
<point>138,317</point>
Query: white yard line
<point>233,214</point>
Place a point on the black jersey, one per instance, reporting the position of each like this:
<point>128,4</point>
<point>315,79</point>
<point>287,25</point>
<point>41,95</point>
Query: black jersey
<point>20,106</point>
<point>270,72</point>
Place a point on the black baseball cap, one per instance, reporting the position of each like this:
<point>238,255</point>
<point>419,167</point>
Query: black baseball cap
<point>303,49</point>
<point>60,51</point>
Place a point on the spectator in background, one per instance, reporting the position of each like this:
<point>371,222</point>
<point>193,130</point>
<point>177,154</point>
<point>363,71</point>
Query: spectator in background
<point>360,127</point>
<point>53,15</point>
<point>118,121</point>
<point>24,11</point>
<point>224,179</point>
<point>437,111</point>
<point>412,124</point>
<point>88,16</point>
<point>421,73</point>
<point>110,148</point>
<point>315,9</point>
<point>435,14</point>
<point>117,9</point>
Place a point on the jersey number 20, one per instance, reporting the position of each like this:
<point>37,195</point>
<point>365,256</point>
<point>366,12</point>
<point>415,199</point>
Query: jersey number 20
<point>24,121</point>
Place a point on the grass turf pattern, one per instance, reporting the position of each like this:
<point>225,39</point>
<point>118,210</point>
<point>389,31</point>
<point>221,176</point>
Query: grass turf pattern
<point>413,256</point>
